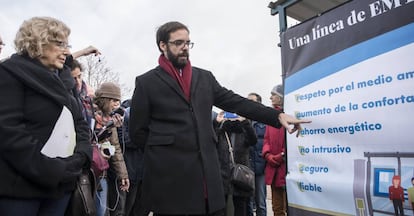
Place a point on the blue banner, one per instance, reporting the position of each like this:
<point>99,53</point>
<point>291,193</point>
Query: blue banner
<point>351,72</point>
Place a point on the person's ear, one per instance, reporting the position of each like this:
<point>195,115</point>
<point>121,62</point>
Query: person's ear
<point>163,46</point>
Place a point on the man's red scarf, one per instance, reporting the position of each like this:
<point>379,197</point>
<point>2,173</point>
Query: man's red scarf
<point>184,81</point>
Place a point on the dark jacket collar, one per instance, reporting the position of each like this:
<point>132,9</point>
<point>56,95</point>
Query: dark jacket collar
<point>36,76</point>
<point>174,84</point>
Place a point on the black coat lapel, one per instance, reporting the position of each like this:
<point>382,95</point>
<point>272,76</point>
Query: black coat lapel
<point>164,76</point>
<point>194,81</point>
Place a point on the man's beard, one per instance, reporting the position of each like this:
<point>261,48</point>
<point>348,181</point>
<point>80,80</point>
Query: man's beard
<point>174,59</point>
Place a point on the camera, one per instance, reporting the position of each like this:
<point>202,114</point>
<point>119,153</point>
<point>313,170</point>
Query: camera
<point>106,151</point>
<point>102,134</point>
<point>119,111</point>
<point>107,148</point>
<point>229,115</point>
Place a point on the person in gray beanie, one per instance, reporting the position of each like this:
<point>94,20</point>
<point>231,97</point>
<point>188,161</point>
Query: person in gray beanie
<point>278,89</point>
<point>274,153</point>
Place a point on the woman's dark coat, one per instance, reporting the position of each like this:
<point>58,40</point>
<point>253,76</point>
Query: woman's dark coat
<point>33,98</point>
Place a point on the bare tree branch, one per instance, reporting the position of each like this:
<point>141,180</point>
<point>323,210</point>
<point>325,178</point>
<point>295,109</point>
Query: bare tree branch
<point>97,72</point>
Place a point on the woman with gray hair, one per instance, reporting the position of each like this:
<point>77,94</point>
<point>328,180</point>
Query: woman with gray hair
<point>45,141</point>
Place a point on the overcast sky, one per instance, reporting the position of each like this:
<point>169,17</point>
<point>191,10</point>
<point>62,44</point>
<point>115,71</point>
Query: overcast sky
<point>236,40</point>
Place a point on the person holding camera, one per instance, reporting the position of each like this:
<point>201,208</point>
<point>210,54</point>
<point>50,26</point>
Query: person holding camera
<point>107,150</point>
<point>238,132</point>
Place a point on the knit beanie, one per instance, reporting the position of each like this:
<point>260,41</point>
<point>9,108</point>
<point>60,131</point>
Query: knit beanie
<point>278,89</point>
<point>108,90</point>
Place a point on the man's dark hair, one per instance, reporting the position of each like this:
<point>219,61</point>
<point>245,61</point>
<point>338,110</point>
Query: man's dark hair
<point>259,98</point>
<point>163,32</point>
<point>76,64</point>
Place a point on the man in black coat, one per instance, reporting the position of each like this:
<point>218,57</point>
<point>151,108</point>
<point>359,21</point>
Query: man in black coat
<point>171,120</point>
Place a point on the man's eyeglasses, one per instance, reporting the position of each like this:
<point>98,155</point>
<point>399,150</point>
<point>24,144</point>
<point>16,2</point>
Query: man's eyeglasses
<point>182,43</point>
<point>62,45</point>
<point>2,44</point>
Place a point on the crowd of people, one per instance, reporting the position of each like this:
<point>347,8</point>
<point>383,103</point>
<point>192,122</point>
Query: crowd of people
<point>160,151</point>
